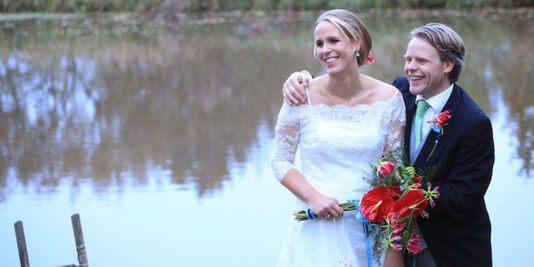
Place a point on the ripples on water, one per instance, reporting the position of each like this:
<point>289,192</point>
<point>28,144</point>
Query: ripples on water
<point>128,123</point>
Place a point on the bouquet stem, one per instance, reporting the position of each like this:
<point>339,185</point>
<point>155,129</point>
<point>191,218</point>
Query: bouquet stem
<point>302,215</point>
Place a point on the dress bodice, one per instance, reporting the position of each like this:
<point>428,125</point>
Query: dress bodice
<point>338,144</point>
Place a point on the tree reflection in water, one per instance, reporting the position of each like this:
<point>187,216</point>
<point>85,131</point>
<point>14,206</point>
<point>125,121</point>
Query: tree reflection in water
<point>513,71</point>
<point>104,110</point>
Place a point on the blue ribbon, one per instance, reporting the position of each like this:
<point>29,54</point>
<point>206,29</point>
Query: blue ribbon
<point>367,229</point>
<point>435,127</point>
<point>311,216</point>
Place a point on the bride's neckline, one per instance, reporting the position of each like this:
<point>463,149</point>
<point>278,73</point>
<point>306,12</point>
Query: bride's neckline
<point>363,105</point>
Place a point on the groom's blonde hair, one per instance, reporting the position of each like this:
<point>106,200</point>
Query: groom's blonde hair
<point>449,44</point>
<point>351,27</point>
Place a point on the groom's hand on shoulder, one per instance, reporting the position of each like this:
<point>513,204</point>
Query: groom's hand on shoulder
<point>294,89</point>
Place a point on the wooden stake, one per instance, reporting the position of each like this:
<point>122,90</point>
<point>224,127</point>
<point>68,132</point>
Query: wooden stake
<point>78,237</point>
<point>21,244</point>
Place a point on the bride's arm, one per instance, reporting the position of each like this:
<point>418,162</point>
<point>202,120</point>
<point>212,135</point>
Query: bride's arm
<point>286,142</point>
<point>394,259</point>
<point>394,147</point>
<point>395,134</point>
<point>319,204</point>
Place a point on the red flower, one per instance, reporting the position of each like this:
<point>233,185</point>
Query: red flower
<point>413,200</point>
<point>393,219</point>
<point>442,118</point>
<point>386,168</point>
<point>416,179</point>
<point>395,191</point>
<point>413,244</point>
<point>370,59</point>
<point>431,194</point>
<point>437,125</point>
<point>394,241</point>
<point>376,204</point>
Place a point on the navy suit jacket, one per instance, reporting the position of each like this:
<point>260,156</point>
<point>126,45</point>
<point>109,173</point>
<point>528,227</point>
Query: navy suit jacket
<point>458,232</point>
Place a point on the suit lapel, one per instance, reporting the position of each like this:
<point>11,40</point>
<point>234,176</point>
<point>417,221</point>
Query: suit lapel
<point>451,105</point>
<point>409,102</point>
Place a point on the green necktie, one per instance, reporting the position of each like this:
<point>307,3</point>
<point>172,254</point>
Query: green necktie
<point>422,107</point>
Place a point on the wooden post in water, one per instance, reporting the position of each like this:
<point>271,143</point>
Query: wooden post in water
<point>78,237</point>
<point>21,244</point>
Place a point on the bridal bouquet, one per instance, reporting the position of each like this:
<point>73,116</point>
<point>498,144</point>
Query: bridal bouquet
<point>389,209</point>
<point>399,194</point>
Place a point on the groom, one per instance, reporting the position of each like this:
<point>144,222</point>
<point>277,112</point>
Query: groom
<point>458,231</point>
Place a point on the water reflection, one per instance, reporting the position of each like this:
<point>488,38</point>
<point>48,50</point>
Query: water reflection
<point>515,75</point>
<point>106,103</point>
<point>114,107</point>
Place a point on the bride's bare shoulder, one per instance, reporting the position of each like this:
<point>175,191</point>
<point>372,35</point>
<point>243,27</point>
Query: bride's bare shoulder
<point>388,90</point>
<point>318,82</point>
<point>317,85</point>
<point>381,90</point>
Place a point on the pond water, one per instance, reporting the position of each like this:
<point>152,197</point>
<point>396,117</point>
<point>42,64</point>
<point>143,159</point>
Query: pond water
<point>159,135</point>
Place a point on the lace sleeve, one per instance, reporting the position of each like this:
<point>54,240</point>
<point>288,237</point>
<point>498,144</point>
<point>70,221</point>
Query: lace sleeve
<point>395,124</point>
<point>287,136</point>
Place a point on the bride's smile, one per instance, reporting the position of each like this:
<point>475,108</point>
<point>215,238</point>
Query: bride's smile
<point>333,49</point>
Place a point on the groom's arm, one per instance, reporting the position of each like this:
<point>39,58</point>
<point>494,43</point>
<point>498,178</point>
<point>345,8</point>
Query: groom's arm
<point>401,83</point>
<point>470,171</point>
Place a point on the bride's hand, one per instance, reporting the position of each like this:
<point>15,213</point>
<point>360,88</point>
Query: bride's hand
<point>324,206</point>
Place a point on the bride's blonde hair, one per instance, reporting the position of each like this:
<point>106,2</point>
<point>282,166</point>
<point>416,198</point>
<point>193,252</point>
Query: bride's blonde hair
<point>351,27</point>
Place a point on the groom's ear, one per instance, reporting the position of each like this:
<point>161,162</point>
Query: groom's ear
<point>448,66</point>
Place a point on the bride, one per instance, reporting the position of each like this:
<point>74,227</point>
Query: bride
<point>349,122</point>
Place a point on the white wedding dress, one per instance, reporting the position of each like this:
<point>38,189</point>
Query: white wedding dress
<point>338,145</point>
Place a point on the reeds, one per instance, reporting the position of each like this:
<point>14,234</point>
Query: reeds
<point>265,5</point>
<point>76,5</point>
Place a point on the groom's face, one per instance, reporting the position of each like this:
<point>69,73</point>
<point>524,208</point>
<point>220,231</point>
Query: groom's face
<point>426,72</point>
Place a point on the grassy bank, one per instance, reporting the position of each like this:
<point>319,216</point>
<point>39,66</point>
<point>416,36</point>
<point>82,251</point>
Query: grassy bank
<point>222,5</point>
<point>77,5</point>
<point>199,5</point>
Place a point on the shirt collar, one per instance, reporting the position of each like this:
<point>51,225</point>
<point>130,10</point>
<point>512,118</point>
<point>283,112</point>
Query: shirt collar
<point>437,102</point>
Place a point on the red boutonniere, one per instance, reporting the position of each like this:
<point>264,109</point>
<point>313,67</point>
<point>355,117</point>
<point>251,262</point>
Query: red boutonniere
<point>437,125</point>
